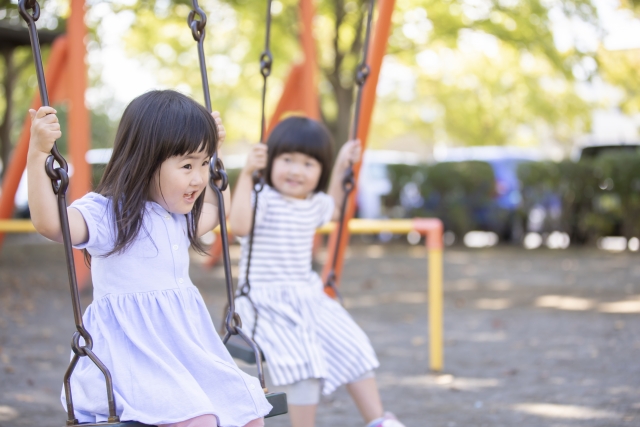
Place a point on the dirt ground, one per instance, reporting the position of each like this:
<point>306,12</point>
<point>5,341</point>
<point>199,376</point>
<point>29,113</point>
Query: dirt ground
<point>532,338</point>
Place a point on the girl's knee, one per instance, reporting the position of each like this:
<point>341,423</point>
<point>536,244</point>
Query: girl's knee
<point>367,375</point>
<point>201,421</point>
<point>305,392</point>
<point>259,422</point>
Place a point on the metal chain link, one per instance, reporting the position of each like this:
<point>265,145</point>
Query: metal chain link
<point>349,180</point>
<point>59,175</point>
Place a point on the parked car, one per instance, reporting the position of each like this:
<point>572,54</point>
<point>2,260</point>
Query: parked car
<point>502,215</point>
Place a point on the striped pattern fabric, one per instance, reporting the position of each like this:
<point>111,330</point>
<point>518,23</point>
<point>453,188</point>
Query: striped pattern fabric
<point>302,332</point>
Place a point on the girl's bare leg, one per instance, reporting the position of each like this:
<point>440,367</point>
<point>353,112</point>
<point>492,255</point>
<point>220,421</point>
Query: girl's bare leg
<point>209,421</point>
<point>201,421</point>
<point>302,415</point>
<point>367,398</point>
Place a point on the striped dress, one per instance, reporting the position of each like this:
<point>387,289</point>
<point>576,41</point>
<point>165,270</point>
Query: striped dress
<point>302,332</point>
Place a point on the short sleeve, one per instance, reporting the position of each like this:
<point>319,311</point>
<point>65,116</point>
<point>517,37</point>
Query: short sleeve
<point>96,213</point>
<point>325,206</point>
<point>263,202</point>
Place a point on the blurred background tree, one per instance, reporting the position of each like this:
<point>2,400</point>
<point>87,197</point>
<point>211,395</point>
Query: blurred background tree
<point>460,72</point>
<point>466,72</point>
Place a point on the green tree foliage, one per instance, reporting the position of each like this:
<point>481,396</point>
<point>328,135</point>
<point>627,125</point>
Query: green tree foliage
<point>471,72</point>
<point>620,68</point>
<point>598,197</point>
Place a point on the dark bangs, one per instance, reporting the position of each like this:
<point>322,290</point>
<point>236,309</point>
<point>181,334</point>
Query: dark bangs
<point>181,126</point>
<point>154,127</point>
<point>302,135</point>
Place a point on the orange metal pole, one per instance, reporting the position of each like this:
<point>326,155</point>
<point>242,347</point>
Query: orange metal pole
<point>79,120</point>
<point>309,83</point>
<point>377,51</point>
<point>289,100</point>
<point>15,168</point>
<point>300,92</point>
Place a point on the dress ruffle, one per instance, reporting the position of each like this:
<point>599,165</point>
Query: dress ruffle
<point>303,333</point>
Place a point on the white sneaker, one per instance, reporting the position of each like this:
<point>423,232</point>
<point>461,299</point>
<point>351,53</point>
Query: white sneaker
<point>387,420</point>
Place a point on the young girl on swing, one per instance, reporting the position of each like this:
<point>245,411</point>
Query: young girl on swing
<point>310,342</point>
<point>149,324</point>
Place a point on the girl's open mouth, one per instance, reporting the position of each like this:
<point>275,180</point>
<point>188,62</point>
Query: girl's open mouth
<point>190,197</point>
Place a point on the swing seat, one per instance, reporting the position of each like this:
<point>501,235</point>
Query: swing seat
<point>239,349</point>
<point>279,402</point>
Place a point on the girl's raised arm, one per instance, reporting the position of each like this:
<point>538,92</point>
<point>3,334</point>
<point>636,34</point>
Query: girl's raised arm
<point>348,154</point>
<point>241,210</point>
<point>43,203</point>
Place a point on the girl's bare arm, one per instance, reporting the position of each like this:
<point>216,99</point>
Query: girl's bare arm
<point>43,203</point>
<point>241,210</point>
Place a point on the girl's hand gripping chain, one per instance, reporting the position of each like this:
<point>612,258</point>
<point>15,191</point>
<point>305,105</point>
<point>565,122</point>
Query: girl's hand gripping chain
<point>45,130</point>
<point>257,159</point>
<point>241,209</point>
<point>222,134</point>
<point>348,155</point>
<point>43,203</point>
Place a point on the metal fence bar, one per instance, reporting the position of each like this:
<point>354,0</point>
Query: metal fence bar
<point>430,227</point>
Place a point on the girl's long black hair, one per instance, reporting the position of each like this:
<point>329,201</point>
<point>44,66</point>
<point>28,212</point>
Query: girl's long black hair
<point>297,134</point>
<point>154,127</point>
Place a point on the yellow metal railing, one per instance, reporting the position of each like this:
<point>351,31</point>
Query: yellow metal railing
<point>431,228</point>
<point>16,226</point>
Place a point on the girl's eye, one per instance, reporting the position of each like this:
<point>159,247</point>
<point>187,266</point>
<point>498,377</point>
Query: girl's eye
<point>205,163</point>
<point>187,166</point>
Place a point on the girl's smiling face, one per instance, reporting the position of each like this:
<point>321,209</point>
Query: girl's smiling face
<point>179,181</point>
<point>295,174</point>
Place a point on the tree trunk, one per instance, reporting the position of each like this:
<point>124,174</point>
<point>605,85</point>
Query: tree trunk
<point>344,96</point>
<point>5,128</point>
<point>342,123</point>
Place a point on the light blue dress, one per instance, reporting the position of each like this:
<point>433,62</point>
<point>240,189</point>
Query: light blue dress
<point>151,328</point>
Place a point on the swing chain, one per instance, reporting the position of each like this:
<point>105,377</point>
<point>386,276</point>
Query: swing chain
<point>197,25</point>
<point>349,182</point>
<point>60,183</point>
<point>362,73</point>
<point>219,181</point>
<point>30,5</point>
<point>217,174</point>
<point>266,61</point>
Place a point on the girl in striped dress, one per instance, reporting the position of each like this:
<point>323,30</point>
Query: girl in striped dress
<point>310,342</point>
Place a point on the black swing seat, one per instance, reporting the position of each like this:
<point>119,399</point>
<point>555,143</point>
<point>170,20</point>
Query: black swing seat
<point>239,349</point>
<point>279,402</point>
